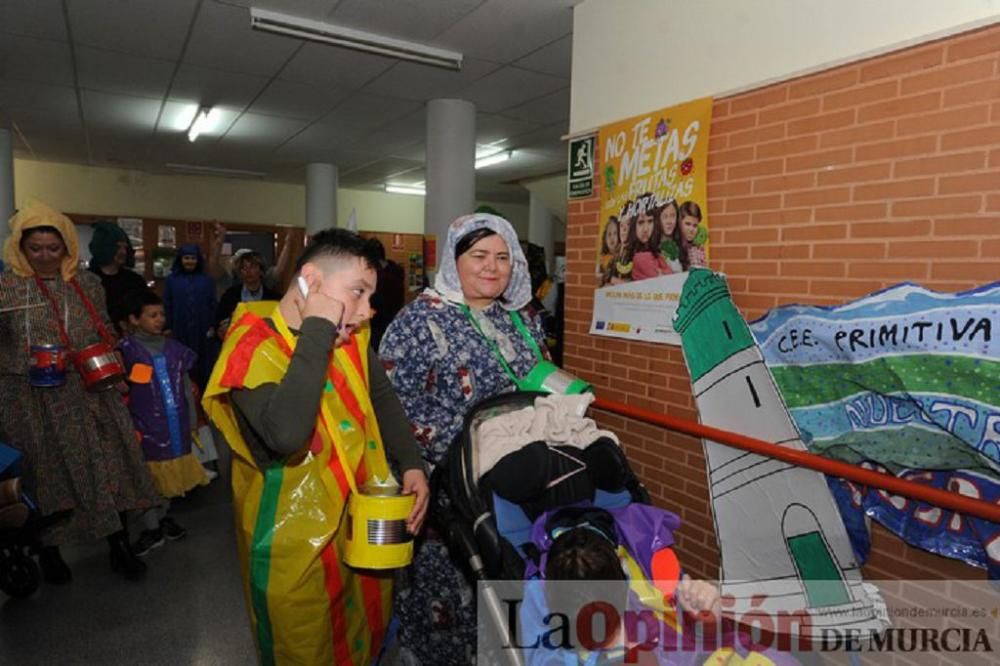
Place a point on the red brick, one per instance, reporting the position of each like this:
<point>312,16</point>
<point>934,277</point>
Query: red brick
<point>932,249</point>
<point>735,156</point>
<point>973,46</point>
<point>729,189</point>
<point>817,197</point>
<point>759,100</point>
<point>849,251</point>
<point>734,123</point>
<point>900,106</point>
<point>806,107</point>
<point>861,95</point>
<point>944,77</point>
<point>966,270</point>
<point>888,270</point>
<point>800,144</point>
<point>980,91</point>
<point>972,182</point>
<point>969,226</point>
<point>720,220</point>
<point>857,134</point>
<point>797,181</point>
<point>822,123</point>
<point>818,232</point>
<point>908,61</point>
<point>895,189</point>
<point>814,268</point>
<point>756,135</point>
<point>720,108</point>
<point>845,289</point>
<point>781,217</point>
<point>980,136</point>
<point>932,166</point>
<point>995,158</point>
<point>937,206</point>
<point>990,249</point>
<point>819,160</point>
<point>778,286</point>
<point>816,84</point>
<point>764,202</point>
<point>751,236</point>
<point>749,268</point>
<point>868,211</point>
<point>937,123</point>
<point>764,168</point>
<point>920,145</point>
<point>891,229</point>
<point>855,174</point>
<point>993,202</point>
<point>730,252</point>
<point>783,251</point>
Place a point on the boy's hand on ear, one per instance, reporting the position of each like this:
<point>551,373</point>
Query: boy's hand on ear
<point>415,483</point>
<point>699,597</point>
<point>318,304</point>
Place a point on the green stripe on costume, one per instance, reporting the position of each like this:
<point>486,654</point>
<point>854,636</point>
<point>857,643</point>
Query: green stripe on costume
<point>974,378</point>
<point>260,559</point>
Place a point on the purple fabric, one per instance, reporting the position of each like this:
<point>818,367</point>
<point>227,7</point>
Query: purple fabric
<point>146,400</point>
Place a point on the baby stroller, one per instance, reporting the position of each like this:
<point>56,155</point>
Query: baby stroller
<point>19,529</point>
<point>488,517</point>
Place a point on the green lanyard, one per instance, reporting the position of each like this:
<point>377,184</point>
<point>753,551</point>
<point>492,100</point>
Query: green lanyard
<point>520,326</point>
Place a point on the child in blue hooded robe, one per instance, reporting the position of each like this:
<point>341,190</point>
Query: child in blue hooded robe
<point>189,300</point>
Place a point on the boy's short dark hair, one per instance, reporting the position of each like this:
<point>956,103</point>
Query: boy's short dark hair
<point>583,554</point>
<point>338,244</point>
<point>137,300</point>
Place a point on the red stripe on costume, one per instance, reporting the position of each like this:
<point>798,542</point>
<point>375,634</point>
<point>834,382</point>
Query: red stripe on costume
<point>335,593</point>
<point>238,363</point>
<point>347,397</point>
<point>371,592</point>
<point>354,353</point>
<point>338,471</point>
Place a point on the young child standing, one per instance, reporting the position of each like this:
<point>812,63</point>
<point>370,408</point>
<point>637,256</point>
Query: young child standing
<point>162,405</point>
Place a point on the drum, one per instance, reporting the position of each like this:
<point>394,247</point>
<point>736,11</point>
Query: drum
<point>376,529</point>
<point>48,365</point>
<point>99,366</point>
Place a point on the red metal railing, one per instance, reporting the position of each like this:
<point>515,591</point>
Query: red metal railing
<point>935,496</point>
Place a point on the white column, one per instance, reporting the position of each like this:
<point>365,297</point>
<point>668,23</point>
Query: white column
<point>450,166</point>
<point>321,197</point>
<point>6,182</point>
<point>540,223</point>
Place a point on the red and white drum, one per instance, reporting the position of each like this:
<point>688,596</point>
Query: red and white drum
<point>99,366</point>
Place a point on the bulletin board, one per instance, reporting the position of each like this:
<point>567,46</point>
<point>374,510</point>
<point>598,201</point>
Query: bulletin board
<point>407,250</point>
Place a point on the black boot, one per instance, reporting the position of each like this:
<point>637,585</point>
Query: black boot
<point>123,560</point>
<point>54,568</point>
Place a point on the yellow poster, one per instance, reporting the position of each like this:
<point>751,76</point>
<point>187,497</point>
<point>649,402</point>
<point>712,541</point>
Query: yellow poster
<point>653,172</point>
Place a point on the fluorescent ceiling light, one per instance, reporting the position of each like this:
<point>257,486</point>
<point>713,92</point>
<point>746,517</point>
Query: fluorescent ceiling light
<point>405,189</point>
<point>495,158</point>
<point>200,123</point>
<point>369,42</point>
<point>214,171</point>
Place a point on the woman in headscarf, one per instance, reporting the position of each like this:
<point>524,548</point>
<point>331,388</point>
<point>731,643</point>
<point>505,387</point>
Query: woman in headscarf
<point>80,452</point>
<point>112,259</point>
<point>463,341</point>
<point>189,301</point>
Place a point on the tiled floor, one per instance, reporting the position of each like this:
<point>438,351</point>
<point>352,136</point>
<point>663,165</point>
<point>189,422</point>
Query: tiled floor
<point>187,610</point>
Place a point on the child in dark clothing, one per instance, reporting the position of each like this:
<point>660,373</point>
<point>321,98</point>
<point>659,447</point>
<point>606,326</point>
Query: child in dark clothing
<point>162,405</point>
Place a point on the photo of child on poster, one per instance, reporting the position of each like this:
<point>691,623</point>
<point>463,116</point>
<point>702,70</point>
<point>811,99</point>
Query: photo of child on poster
<point>654,219</point>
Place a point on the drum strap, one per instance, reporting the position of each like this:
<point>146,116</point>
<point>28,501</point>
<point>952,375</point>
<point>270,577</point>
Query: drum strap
<point>91,310</point>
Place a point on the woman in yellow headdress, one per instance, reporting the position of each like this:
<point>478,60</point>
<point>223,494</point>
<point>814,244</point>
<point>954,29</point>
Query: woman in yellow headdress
<point>81,458</point>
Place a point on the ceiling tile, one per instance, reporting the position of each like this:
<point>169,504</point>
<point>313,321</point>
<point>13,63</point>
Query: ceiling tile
<point>222,38</point>
<point>106,112</point>
<point>35,18</point>
<point>56,147</point>
<point>310,9</point>
<point>259,131</point>
<point>491,128</point>
<point>149,28</point>
<point>543,137</point>
<point>555,58</point>
<point>545,109</point>
<point>326,65</point>
<point>108,71</point>
<point>296,100</point>
<point>505,30</point>
<point>392,169</point>
<point>318,140</point>
<point>300,149</point>
<point>30,59</point>
<point>420,20</point>
<point>363,111</point>
<point>510,86</point>
<point>397,136</point>
<point>214,87</point>
<point>25,99</point>
<point>420,82</point>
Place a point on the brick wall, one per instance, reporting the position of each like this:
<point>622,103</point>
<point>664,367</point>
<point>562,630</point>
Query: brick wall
<point>821,189</point>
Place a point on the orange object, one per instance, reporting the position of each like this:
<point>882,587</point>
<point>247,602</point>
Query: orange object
<point>897,486</point>
<point>141,374</point>
<point>666,571</point>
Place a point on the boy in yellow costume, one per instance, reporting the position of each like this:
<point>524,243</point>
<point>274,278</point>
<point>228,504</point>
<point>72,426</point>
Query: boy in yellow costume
<point>295,391</point>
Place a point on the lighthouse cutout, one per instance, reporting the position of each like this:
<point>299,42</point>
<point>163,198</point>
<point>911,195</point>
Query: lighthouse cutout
<point>784,548</point>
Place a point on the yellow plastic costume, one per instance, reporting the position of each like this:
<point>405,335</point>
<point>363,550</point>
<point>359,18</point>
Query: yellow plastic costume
<point>306,605</point>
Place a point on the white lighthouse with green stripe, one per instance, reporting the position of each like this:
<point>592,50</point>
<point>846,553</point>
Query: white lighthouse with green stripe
<point>784,547</point>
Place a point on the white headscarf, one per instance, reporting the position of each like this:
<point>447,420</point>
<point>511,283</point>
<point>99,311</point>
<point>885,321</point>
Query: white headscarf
<point>447,283</point>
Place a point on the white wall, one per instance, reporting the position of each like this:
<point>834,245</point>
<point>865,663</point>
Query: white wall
<point>640,55</point>
<point>120,192</point>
